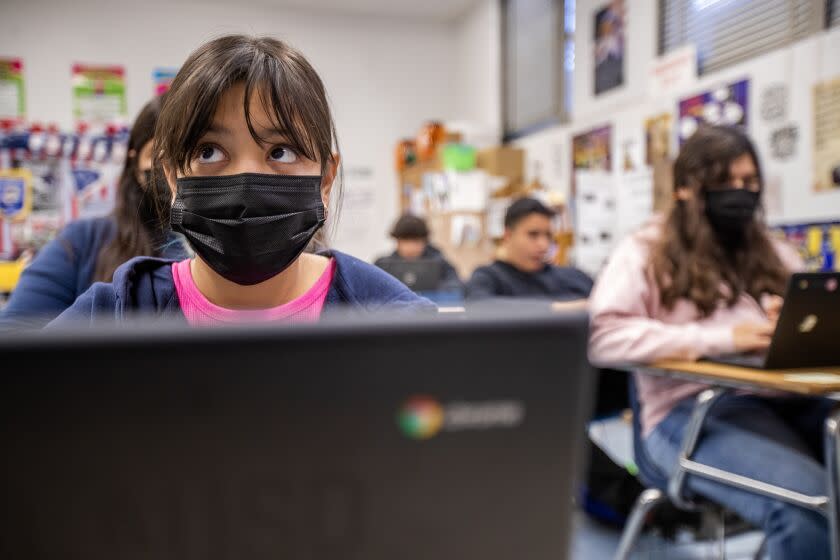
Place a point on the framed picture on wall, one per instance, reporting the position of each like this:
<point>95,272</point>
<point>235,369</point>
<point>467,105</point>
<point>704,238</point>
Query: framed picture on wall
<point>609,46</point>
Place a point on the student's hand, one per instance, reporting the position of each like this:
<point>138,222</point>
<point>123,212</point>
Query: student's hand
<point>573,305</point>
<point>772,307</point>
<point>752,337</point>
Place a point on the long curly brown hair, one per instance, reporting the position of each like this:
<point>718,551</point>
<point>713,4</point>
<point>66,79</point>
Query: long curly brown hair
<point>689,261</point>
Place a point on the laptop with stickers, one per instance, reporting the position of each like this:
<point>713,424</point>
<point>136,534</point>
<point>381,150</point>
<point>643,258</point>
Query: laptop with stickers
<point>808,330</point>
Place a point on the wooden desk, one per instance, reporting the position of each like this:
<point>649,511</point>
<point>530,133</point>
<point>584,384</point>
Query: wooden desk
<point>823,382</point>
<point>810,381</point>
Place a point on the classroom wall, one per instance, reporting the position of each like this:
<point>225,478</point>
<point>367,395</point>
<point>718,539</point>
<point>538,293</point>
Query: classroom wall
<point>385,76</point>
<point>388,75</point>
<point>478,70</point>
<point>800,67</point>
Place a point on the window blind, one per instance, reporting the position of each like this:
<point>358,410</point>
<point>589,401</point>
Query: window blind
<point>730,31</point>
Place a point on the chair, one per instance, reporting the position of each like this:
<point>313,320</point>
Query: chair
<point>674,485</point>
<point>657,484</point>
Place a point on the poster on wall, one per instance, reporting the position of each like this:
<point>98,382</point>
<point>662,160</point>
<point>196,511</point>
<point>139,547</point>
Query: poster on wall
<point>826,139</point>
<point>162,78</point>
<point>592,150</point>
<point>99,94</point>
<point>673,72</point>
<point>631,155</point>
<point>724,105</point>
<point>783,142</point>
<point>658,158</point>
<point>15,194</point>
<point>48,198</point>
<point>12,99</point>
<point>817,243</point>
<point>658,138</point>
<point>774,103</point>
<point>94,189</point>
<point>609,46</point>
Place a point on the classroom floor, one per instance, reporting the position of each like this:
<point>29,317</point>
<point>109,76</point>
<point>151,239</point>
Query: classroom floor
<point>593,541</point>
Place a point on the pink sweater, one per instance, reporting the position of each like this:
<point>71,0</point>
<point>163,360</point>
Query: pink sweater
<point>630,324</point>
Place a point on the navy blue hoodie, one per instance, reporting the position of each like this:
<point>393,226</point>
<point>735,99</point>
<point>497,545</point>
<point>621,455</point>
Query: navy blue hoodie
<point>144,285</point>
<point>63,270</point>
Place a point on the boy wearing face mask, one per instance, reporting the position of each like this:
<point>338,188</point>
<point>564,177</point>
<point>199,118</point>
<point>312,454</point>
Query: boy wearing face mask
<point>705,280</point>
<point>247,142</point>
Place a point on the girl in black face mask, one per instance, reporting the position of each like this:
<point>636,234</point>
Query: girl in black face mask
<point>90,250</point>
<point>247,143</point>
<point>731,208</point>
<point>707,279</point>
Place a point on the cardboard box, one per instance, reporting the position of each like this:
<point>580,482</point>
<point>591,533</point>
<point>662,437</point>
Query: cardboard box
<point>503,161</point>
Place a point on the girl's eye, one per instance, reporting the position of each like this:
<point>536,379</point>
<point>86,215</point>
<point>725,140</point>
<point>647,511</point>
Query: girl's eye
<point>210,154</point>
<point>283,155</point>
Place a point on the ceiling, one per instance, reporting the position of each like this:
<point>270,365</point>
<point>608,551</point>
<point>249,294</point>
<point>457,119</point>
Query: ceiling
<point>427,10</point>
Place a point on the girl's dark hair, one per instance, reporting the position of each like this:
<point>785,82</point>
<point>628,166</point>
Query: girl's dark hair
<point>689,261</point>
<point>140,231</point>
<point>287,86</point>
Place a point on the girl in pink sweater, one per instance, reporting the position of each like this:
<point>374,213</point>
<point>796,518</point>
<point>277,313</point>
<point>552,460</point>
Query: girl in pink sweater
<point>707,279</point>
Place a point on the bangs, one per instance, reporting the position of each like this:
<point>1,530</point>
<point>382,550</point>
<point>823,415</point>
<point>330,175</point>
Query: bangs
<point>286,86</point>
<point>279,102</point>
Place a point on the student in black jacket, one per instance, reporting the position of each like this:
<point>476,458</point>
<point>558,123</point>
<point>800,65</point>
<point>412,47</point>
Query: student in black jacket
<point>521,271</point>
<point>412,236</point>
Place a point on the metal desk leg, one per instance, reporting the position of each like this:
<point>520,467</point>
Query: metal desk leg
<point>832,447</point>
<point>705,401</point>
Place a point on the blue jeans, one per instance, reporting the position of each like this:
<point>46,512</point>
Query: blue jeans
<point>775,440</point>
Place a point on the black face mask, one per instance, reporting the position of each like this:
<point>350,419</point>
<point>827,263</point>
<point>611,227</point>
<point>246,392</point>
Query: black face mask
<point>248,227</point>
<point>730,211</point>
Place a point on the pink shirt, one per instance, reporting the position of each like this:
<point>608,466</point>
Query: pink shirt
<point>199,311</point>
<point>630,324</point>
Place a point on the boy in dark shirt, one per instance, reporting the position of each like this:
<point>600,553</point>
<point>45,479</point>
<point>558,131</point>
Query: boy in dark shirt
<point>412,236</point>
<point>521,271</point>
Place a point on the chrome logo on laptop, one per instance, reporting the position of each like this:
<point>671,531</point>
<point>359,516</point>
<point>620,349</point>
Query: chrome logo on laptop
<point>423,417</point>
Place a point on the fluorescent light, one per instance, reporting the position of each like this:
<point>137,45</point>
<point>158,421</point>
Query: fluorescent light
<point>703,4</point>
